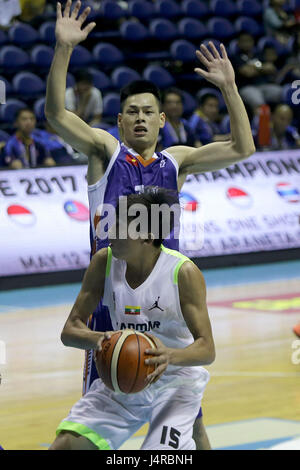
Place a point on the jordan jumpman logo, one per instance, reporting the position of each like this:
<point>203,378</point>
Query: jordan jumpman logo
<point>155,305</point>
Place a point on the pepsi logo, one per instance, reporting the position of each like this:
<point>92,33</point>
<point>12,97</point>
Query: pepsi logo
<point>239,197</point>
<point>21,215</point>
<point>288,192</point>
<point>77,211</point>
<point>188,202</point>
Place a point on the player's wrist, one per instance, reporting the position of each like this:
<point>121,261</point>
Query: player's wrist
<point>64,46</point>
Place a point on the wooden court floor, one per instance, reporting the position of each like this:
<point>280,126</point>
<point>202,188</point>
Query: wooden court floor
<point>253,375</point>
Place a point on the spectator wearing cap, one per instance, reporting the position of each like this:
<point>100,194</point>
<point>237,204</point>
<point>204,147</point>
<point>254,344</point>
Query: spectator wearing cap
<point>22,150</point>
<point>176,130</point>
<point>84,99</point>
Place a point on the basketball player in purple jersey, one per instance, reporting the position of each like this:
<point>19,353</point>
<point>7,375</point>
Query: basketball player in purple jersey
<point>114,169</point>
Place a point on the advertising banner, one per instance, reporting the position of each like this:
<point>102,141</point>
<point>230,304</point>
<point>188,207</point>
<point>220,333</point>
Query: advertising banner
<point>251,206</point>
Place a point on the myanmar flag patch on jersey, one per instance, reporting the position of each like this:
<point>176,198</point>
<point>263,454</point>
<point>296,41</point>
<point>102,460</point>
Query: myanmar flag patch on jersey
<point>130,310</point>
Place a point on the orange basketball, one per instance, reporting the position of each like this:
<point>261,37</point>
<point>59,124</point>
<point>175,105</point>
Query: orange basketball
<point>121,362</point>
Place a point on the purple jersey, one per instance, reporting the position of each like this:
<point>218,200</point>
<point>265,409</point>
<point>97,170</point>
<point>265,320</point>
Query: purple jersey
<point>128,173</point>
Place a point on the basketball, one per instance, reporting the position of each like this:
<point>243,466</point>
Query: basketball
<point>121,362</point>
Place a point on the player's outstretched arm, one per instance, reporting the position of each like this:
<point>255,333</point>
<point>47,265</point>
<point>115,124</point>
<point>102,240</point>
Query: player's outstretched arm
<point>215,156</point>
<point>192,293</point>
<point>70,32</point>
<point>75,332</point>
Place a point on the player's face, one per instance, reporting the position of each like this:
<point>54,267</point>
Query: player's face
<point>141,120</point>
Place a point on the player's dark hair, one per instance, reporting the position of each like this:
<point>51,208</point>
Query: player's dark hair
<point>173,91</point>
<point>137,87</point>
<point>156,196</point>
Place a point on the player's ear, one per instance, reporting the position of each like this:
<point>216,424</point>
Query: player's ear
<point>162,120</point>
<point>119,119</point>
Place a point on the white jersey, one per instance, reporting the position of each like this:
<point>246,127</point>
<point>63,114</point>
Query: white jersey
<point>153,307</point>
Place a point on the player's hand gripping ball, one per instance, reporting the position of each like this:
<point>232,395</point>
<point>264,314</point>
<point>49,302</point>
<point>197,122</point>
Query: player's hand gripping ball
<point>121,362</point>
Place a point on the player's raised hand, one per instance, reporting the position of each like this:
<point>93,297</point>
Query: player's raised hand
<point>219,70</point>
<point>68,29</point>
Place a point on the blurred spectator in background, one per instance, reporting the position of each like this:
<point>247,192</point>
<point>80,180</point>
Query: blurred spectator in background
<point>8,11</point>
<point>256,73</point>
<point>176,130</point>
<point>205,121</point>
<point>291,69</point>
<point>61,152</point>
<point>32,11</point>
<point>22,149</point>
<point>277,22</point>
<point>84,99</point>
<point>282,134</point>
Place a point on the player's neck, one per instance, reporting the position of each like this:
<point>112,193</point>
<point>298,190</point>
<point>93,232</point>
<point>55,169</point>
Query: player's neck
<point>140,267</point>
<point>145,152</point>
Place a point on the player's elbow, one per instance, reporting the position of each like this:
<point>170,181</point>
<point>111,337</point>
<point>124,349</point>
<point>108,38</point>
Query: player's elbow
<point>210,354</point>
<point>242,152</point>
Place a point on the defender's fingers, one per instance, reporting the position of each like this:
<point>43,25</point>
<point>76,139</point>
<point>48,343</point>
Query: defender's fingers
<point>223,51</point>
<point>89,28</point>
<point>84,15</point>
<point>214,50</point>
<point>205,51</point>
<point>202,72</point>
<point>67,9</point>
<point>202,58</point>
<point>58,11</point>
<point>76,9</point>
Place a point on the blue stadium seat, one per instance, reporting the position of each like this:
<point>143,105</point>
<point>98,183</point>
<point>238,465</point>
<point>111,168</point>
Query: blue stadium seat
<point>47,32</point>
<point>191,28</point>
<point>111,105</point>
<point>183,50</point>
<point>4,136</point>
<point>189,103</point>
<point>111,10</point>
<point>80,57</point>
<point>160,76</point>
<point>247,24</point>
<point>133,31</point>
<point>223,8</point>
<point>107,54</point>
<point>220,28</point>
<point>269,41</point>
<point>163,29</point>
<point>233,48</point>
<point>194,8</point>
<point>249,7</point>
<point>167,8</point>
<point>8,87</point>
<point>141,9</point>
<point>22,34</point>
<point>3,38</point>
<point>124,75</point>
<point>13,58</point>
<point>100,80</point>
<point>39,109</point>
<point>28,84</point>
<point>41,56</point>
<point>9,109</point>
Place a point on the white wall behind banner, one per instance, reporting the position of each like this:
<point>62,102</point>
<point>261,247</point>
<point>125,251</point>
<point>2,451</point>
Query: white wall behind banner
<point>249,207</point>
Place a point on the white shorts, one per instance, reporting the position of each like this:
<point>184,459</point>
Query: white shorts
<point>108,419</point>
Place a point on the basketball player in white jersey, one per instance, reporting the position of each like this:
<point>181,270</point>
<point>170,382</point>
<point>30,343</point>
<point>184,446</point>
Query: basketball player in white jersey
<point>139,124</point>
<point>170,292</point>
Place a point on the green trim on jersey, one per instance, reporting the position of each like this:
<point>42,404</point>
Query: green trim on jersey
<point>84,431</point>
<point>181,257</point>
<point>108,262</point>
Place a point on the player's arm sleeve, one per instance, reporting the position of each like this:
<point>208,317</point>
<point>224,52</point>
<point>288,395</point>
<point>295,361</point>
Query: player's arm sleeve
<point>192,294</point>
<point>75,332</point>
